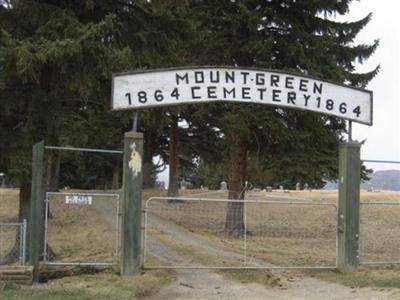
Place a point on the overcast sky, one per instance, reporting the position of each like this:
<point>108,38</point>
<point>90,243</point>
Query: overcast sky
<point>383,138</point>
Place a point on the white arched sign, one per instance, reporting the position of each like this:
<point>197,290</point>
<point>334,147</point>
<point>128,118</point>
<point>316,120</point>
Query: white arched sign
<point>165,87</point>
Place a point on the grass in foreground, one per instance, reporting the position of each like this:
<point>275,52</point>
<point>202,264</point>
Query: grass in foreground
<point>380,278</point>
<point>97,286</point>
<point>364,277</point>
<point>264,277</point>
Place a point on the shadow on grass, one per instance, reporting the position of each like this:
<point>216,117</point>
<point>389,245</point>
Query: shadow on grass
<point>47,273</point>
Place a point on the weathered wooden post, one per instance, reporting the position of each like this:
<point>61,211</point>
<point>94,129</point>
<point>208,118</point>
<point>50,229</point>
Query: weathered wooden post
<point>132,204</point>
<point>349,206</point>
<point>37,209</point>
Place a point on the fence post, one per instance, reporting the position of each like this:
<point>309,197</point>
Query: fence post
<point>349,207</point>
<point>132,204</point>
<point>37,206</point>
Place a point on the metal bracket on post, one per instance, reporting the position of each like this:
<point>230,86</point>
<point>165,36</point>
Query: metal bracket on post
<point>349,207</point>
<point>132,204</point>
<point>350,132</point>
<point>135,120</point>
<point>24,224</point>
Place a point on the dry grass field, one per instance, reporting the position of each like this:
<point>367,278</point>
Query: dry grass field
<point>281,232</point>
<point>8,214</point>
<point>83,233</point>
<point>76,233</point>
<point>9,205</point>
<point>284,232</point>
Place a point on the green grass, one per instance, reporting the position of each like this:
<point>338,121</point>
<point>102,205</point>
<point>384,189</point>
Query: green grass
<point>106,285</point>
<point>364,277</point>
<point>264,277</point>
<point>44,295</point>
<point>387,278</point>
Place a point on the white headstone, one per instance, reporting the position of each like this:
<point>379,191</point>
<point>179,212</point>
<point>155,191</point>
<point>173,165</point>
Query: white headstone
<point>223,186</point>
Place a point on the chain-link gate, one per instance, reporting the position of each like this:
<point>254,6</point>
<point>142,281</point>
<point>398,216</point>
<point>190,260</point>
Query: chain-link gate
<point>379,233</point>
<point>380,220</point>
<point>13,243</point>
<point>220,233</point>
<point>81,229</point>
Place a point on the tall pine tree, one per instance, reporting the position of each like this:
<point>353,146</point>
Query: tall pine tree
<point>56,61</point>
<point>297,36</point>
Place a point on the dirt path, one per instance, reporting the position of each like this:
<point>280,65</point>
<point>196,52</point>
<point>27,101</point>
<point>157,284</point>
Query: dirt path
<point>208,284</point>
<point>203,284</point>
<point>178,234</point>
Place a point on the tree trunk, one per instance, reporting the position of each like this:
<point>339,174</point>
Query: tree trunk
<point>173,160</point>
<point>25,203</point>
<point>237,174</point>
<point>101,181</point>
<point>55,171</point>
<point>148,170</point>
<point>116,174</point>
<point>50,168</point>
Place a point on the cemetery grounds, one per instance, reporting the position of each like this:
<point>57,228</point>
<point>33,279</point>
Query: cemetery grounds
<point>173,239</point>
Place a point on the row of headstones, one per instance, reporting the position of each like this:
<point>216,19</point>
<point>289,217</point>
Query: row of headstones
<point>224,187</point>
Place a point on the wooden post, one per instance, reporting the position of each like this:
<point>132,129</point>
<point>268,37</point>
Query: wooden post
<point>132,204</point>
<point>349,207</point>
<point>37,209</point>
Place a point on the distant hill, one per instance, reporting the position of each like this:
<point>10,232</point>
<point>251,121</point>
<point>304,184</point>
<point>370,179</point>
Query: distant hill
<point>384,180</point>
<point>380,180</point>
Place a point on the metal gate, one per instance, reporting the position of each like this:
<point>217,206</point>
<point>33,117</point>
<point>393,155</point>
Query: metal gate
<point>380,221</point>
<point>81,229</point>
<point>13,241</point>
<point>198,233</point>
<point>379,233</point>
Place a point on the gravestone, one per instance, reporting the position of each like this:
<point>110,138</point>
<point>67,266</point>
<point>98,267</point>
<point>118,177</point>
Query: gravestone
<point>223,186</point>
<point>183,184</point>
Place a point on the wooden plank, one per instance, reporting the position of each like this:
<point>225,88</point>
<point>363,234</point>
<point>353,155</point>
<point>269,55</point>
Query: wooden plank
<point>349,207</point>
<point>132,204</point>
<point>16,269</point>
<point>21,273</point>
<point>17,275</point>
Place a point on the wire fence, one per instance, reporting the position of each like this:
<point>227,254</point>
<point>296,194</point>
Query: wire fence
<point>13,243</point>
<point>82,228</point>
<point>379,233</point>
<point>380,217</point>
<point>12,230</point>
<point>221,233</point>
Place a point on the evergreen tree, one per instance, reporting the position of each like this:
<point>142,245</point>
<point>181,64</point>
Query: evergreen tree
<point>56,61</point>
<point>298,36</point>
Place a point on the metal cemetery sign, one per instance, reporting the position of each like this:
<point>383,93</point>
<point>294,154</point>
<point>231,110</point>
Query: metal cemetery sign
<point>206,84</point>
<point>78,199</point>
